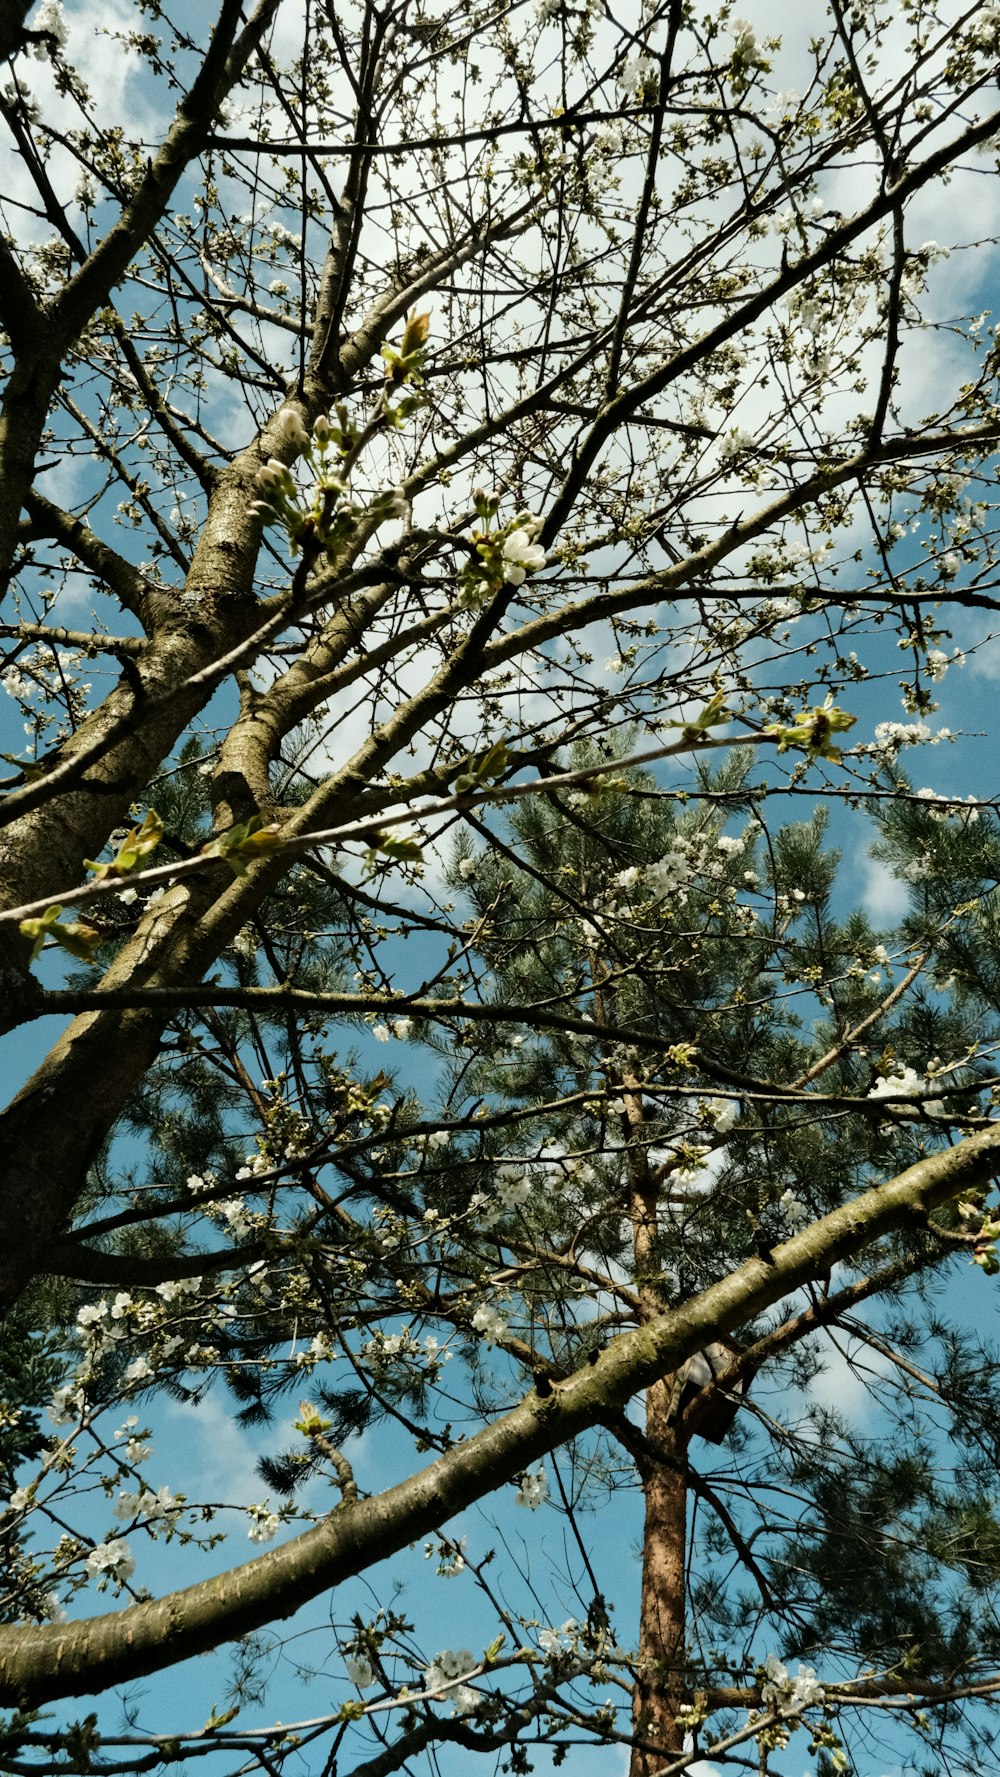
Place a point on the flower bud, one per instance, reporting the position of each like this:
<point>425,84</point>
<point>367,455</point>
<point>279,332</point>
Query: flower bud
<point>282,481</point>
<point>292,426</point>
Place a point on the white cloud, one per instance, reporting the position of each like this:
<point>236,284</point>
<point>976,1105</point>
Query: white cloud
<point>884,898</point>
<point>220,1460</point>
<point>843,1384</point>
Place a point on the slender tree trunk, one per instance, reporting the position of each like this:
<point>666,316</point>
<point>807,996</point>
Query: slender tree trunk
<point>660,1690</point>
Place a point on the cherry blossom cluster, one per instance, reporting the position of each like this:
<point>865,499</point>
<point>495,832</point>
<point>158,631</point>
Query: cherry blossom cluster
<point>533,1490</point>
<point>668,878</point>
<point>441,1675</point>
<point>326,513</point>
<point>550,1171</point>
<point>791,1695</point>
<point>906,1083</point>
<point>504,556</point>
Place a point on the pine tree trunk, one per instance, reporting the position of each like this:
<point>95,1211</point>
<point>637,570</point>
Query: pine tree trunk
<point>660,1690</point>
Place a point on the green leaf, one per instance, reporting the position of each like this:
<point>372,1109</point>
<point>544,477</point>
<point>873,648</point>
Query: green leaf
<point>715,711</point>
<point>485,770</point>
<point>494,763</point>
<point>403,850</point>
<point>138,845</point>
<point>219,1721</point>
<point>351,1711</point>
<point>30,769</point>
<point>39,929</point>
<point>78,939</point>
<point>244,844</point>
<point>310,1423</point>
<point>812,730</point>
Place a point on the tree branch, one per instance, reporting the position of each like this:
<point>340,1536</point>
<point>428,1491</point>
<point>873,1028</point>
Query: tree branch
<point>41,1663</point>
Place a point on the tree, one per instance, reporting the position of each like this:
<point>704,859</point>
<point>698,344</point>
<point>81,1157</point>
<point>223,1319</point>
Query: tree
<point>393,368</point>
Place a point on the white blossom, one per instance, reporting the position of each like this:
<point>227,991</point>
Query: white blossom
<point>161,1504</point>
<point>66,1405</point>
<point>114,1558</point>
<point>51,19</point>
<point>636,71</point>
<point>890,736</point>
<point>533,1491</point>
<point>17,96</point>
<point>253,1164</point>
<point>556,1641</point>
<point>147,1504</point>
<point>722,1113</point>
<point>233,1210</point>
<point>513,1186</point>
<point>263,1523</point>
<point>744,37</point>
<point>451,1557</point>
<point>450,1664</point>
<point>359,1671</point>
<point>447,1665</point>
<point>437,1138</point>
<point>487,1321</point>
<point>668,875</point>
<point>907,1083</point>
<point>201,1354</point>
<point>792,1210</point>
<point>734,442</point>
<point>787,1694</point>
<point>178,1286</point>
<point>521,556</point>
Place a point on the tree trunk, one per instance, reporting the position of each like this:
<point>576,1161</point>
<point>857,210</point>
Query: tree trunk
<point>660,1689</point>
